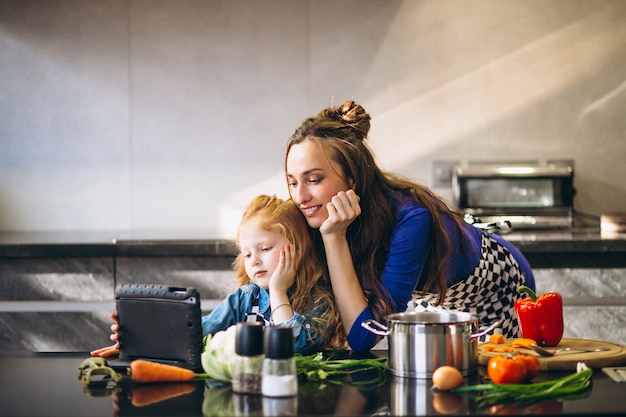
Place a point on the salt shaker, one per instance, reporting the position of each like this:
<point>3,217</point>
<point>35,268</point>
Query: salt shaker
<point>279,366</point>
<point>248,363</point>
<point>280,406</point>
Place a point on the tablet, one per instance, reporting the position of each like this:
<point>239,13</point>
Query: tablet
<point>159,323</point>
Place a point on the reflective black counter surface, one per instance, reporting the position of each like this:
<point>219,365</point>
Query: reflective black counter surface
<point>47,384</point>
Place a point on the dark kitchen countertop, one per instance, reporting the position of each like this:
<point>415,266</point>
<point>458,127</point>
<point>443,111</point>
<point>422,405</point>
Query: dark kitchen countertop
<point>574,239</point>
<point>575,247</point>
<point>47,384</point>
<point>124,243</point>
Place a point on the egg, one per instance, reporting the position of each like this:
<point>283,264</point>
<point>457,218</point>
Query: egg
<point>447,377</point>
<point>447,403</point>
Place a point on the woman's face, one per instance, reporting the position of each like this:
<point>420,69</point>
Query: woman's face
<point>313,179</point>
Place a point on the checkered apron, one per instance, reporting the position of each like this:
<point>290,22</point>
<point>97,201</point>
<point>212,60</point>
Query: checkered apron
<point>489,292</point>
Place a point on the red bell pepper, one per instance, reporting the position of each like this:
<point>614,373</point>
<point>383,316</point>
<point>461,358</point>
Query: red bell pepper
<point>540,318</point>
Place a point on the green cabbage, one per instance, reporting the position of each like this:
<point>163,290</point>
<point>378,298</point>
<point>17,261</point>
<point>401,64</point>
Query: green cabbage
<point>219,355</point>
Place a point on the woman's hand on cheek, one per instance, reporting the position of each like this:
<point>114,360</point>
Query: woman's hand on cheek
<point>285,273</point>
<point>342,210</point>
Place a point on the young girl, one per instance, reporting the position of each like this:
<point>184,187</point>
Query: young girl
<point>280,278</point>
<point>280,281</point>
<point>385,238</point>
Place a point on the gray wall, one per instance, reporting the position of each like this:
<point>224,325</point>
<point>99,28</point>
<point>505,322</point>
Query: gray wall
<point>170,115</point>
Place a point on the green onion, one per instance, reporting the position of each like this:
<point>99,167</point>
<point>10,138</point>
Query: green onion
<point>320,367</point>
<point>568,387</point>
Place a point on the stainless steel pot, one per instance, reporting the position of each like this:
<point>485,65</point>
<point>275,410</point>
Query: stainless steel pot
<point>419,343</point>
<point>416,397</point>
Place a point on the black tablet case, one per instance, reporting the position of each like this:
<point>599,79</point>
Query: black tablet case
<point>159,323</point>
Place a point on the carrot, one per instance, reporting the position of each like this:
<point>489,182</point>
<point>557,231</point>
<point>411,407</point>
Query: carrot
<point>496,339</point>
<point>523,343</point>
<point>148,371</point>
<point>504,349</point>
<point>153,393</point>
<point>488,348</point>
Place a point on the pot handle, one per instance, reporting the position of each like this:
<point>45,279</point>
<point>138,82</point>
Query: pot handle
<point>367,324</point>
<point>487,330</point>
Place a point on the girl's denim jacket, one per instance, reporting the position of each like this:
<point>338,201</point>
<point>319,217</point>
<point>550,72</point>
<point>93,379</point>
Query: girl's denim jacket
<point>237,305</point>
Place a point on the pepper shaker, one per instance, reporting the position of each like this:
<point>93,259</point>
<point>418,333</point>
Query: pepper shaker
<point>248,363</point>
<point>279,366</point>
<point>248,405</point>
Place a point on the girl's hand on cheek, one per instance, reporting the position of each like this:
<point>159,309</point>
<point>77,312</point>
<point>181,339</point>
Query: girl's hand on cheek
<point>285,274</point>
<point>342,210</point>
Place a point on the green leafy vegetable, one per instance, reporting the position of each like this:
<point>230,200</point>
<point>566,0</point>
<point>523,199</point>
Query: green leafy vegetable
<point>219,355</point>
<point>570,386</point>
<point>319,367</point>
<point>218,401</point>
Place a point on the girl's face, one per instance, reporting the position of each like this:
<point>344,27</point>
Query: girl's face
<point>313,180</point>
<point>261,251</point>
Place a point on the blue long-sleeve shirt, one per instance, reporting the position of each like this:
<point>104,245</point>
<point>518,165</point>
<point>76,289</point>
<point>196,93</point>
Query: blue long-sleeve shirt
<point>236,306</point>
<point>409,249</point>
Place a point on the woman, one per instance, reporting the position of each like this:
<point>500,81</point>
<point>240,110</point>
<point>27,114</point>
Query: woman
<point>385,238</point>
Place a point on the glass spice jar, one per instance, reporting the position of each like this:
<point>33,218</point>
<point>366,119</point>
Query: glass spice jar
<point>280,406</point>
<point>279,366</point>
<point>248,405</point>
<point>248,363</point>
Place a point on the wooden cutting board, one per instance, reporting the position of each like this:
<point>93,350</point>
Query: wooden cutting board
<point>566,361</point>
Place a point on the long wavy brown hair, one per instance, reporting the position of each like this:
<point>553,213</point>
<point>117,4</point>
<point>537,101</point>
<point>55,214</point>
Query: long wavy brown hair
<point>310,294</point>
<point>342,132</point>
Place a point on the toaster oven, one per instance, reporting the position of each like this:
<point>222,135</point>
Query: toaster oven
<point>528,197</point>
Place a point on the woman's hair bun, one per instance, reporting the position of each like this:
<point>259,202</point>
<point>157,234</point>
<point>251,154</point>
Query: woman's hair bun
<point>353,115</point>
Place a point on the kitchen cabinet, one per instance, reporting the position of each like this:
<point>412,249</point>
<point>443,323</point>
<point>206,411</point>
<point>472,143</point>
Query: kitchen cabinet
<point>56,293</point>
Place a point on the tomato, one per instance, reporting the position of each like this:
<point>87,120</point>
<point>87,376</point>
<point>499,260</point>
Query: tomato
<point>506,369</point>
<point>546,407</point>
<point>500,409</point>
<point>532,365</point>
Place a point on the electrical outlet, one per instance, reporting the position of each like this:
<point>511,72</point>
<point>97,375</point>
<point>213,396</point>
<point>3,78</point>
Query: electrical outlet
<point>441,173</point>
